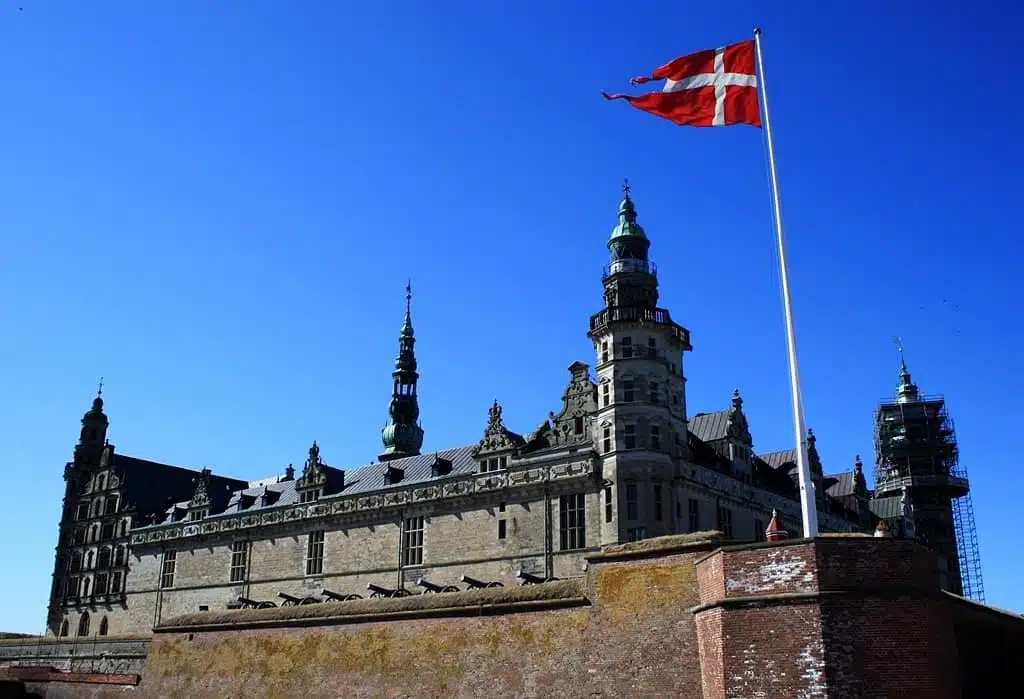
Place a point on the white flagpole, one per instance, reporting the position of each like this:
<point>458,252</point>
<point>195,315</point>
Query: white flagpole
<point>807,500</point>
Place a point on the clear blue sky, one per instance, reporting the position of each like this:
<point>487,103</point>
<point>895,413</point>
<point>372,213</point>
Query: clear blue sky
<point>216,205</point>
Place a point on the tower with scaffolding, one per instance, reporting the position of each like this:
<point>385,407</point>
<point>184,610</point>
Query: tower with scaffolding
<point>920,487</point>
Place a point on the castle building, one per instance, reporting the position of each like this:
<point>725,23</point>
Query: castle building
<point>620,460</point>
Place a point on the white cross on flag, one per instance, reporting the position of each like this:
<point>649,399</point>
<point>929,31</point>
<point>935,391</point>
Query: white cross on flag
<point>717,87</point>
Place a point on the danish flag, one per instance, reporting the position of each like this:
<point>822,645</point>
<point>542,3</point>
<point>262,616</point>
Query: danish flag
<point>717,87</point>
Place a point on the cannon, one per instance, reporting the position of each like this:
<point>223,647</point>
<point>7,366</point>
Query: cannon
<point>338,597</point>
<point>431,587</point>
<point>291,601</point>
<point>479,584</point>
<point>531,579</point>
<point>253,604</point>
<point>378,591</point>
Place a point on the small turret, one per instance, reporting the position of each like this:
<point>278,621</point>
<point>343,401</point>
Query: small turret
<point>94,432</point>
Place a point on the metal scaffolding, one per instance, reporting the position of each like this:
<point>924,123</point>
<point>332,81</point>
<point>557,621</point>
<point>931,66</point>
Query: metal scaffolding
<point>916,454</point>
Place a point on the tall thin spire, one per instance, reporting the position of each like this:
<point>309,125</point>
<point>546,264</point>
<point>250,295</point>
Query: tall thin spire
<point>906,392</point>
<point>402,435</point>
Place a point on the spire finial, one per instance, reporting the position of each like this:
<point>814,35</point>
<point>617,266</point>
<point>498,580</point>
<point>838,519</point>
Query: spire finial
<point>625,187</point>
<point>99,391</point>
<point>899,348</point>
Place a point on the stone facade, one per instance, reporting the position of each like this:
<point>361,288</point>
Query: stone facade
<point>621,460</point>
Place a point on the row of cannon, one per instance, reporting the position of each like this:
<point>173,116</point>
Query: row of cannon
<point>379,591</point>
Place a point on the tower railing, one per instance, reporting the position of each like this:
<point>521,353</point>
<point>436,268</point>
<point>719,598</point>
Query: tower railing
<point>629,265</point>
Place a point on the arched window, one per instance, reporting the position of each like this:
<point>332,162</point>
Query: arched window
<point>85,586</point>
<point>103,626</point>
<point>83,624</point>
<point>101,481</point>
<point>63,628</point>
<point>88,560</point>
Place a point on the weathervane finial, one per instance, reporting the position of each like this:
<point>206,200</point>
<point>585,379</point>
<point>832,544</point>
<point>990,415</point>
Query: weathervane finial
<point>625,187</point>
<point>99,391</point>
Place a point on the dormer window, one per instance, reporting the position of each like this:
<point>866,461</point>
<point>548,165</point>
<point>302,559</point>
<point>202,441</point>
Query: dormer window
<point>393,475</point>
<point>494,463</point>
<point>309,495</point>
<point>440,467</point>
<point>196,515</point>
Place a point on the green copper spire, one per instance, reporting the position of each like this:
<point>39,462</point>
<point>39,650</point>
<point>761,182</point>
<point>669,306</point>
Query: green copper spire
<point>628,243</point>
<point>627,226</point>
<point>907,391</point>
<point>402,435</point>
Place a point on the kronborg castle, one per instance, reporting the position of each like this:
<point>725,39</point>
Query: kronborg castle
<point>621,460</point>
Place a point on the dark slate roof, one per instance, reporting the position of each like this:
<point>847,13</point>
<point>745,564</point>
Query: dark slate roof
<point>845,484</point>
<point>887,507</point>
<point>707,427</point>
<point>150,485</point>
<point>360,479</point>
<point>778,459</point>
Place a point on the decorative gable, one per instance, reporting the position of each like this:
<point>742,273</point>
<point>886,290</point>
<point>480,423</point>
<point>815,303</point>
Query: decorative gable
<point>736,426</point>
<point>201,497</point>
<point>497,438</point>
<point>572,425</point>
<point>313,475</point>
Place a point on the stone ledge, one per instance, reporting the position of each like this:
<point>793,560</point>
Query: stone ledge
<point>500,600</point>
<point>829,538</point>
<point>36,673</point>
<point>72,640</point>
<point>659,546</point>
<point>788,598</point>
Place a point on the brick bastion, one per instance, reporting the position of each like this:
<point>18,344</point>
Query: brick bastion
<point>677,616</point>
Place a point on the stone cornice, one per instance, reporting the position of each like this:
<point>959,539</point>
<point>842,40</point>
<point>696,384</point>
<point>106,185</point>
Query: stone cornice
<point>379,505</point>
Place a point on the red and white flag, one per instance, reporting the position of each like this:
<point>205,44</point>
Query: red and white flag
<point>717,87</point>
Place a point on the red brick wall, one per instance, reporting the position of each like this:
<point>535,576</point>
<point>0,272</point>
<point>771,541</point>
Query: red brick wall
<point>830,617</point>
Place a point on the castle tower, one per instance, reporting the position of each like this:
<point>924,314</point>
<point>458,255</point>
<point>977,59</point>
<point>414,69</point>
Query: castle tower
<point>641,420</point>
<point>916,466</point>
<point>403,436</point>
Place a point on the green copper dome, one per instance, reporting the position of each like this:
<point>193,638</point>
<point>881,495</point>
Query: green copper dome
<point>627,227</point>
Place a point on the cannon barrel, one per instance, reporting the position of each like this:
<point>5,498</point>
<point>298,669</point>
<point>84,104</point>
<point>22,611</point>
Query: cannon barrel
<point>427,585</point>
<point>289,599</point>
<point>380,591</point>
<point>529,578</point>
<point>477,584</point>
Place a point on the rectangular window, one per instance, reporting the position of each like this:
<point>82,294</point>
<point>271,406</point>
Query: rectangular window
<point>101,583</point>
<point>309,496</point>
<point>578,425</point>
<point>604,351</point>
<point>627,391</point>
<point>694,505</point>
<point>725,521</point>
<point>607,436</point>
<point>632,504</point>
<point>79,536</point>
<point>71,590</point>
<point>652,347</point>
<point>657,502</point>
<point>679,509</point>
<point>83,511</point>
<point>315,553</point>
<point>502,529</point>
<point>627,347</point>
<point>412,544</point>
<point>107,530</point>
<point>629,437</point>
<point>167,572</point>
<point>608,503</point>
<point>759,530</point>
<point>239,556</point>
<point>605,394</point>
<point>495,463</point>
<point>636,533</point>
<point>115,582</point>
<point>196,515</point>
<point>655,438</point>
<point>572,529</point>
<point>652,390</point>
<point>110,505</point>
